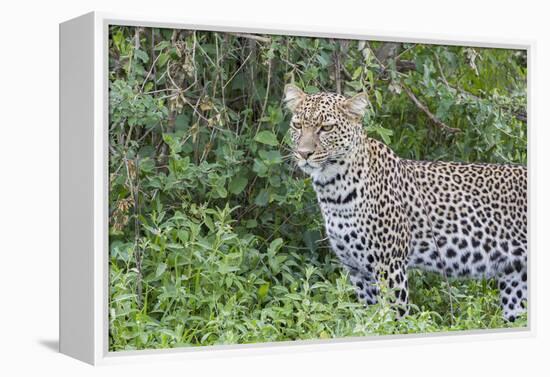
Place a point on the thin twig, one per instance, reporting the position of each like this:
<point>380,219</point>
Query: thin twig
<point>264,106</point>
<point>427,111</point>
<point>148,75</point>
<point>337,68</point>
<point>253,37</point>
<point>443,78</point>
<point>137,42</point>
<point>237,71</point>
<point>404,51</point>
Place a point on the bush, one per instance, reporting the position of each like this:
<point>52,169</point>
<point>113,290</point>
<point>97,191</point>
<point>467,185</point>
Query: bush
<point>216,238</point>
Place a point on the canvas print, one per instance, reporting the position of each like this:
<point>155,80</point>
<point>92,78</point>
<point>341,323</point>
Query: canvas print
<point>267,188</point>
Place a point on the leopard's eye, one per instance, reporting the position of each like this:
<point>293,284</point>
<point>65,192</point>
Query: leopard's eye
<point>328,126</point>
<point>296,124</point>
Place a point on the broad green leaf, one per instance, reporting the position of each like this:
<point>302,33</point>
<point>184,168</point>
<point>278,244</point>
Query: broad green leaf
<point>275,245</point>
<point>357,73</point>
<point>251,223</point>
<point>161,267</point>
<point>221,191</point>
<point>141,55</point>
<point>237,184</point>
<point>262,291</point>
<point>310,89</point>
<point>270,157</point>
<point>260,168</point>
<point>262,198</point>
<point>226,268</point>
<point>267,137</point>
<point>182,121</point>
<point>162,59</point>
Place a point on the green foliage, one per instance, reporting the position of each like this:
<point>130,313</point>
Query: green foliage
<point>215,238</point>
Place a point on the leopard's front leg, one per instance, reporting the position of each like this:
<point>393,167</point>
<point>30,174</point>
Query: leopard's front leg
<point>394,276</point>
<point>365,285</point>
<point>388,257</point>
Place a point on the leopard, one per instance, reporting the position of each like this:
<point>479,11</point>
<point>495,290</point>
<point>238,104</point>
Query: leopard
<point>385,215</point>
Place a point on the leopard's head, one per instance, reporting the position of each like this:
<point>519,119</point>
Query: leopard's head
<point>325,127</point>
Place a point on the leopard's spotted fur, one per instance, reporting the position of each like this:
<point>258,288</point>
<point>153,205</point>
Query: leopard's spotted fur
<point>384,214</point>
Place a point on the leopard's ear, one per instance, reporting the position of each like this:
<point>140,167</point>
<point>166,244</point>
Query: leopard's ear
<point>356,106</point>
<point>293,96</point>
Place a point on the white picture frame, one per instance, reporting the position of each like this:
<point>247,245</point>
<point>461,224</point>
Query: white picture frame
<point>84,191</point>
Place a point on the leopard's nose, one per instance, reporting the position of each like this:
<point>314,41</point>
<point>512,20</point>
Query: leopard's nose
<point>304,153</point>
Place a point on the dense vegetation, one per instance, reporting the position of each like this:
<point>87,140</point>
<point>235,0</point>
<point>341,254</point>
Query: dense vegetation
<point>216,238</point>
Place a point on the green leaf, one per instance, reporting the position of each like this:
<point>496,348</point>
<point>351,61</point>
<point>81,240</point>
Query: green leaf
<point>274,180</point>
<point>384,133</point>
<point>141,55</point>
<point>147,165</point>
<point>163,58</point>
<point>275,245</point>
<point>311,89</point>
<point>294,296</point>
<point>323,60</point>
<point>123,297</point>
<point>356,85</point>
<point>357,73</point>
<point>378,96</point>
<point>209,223</point>
<point>270,157</point>
<point>263,198</point>
<point>226,268</point>
<point>173,142</point>
<point>118,38</point>
<point>160,269</point>
<point>174,246</point>
<point>310,239</point>
<point>221,191</point>
<point>162,45</point>
<point>182,121</point>
<point>237,184</point>
<point>262,291</point>
<point>267,137</point>
<point>251,223</point>
<point>260,168</point>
